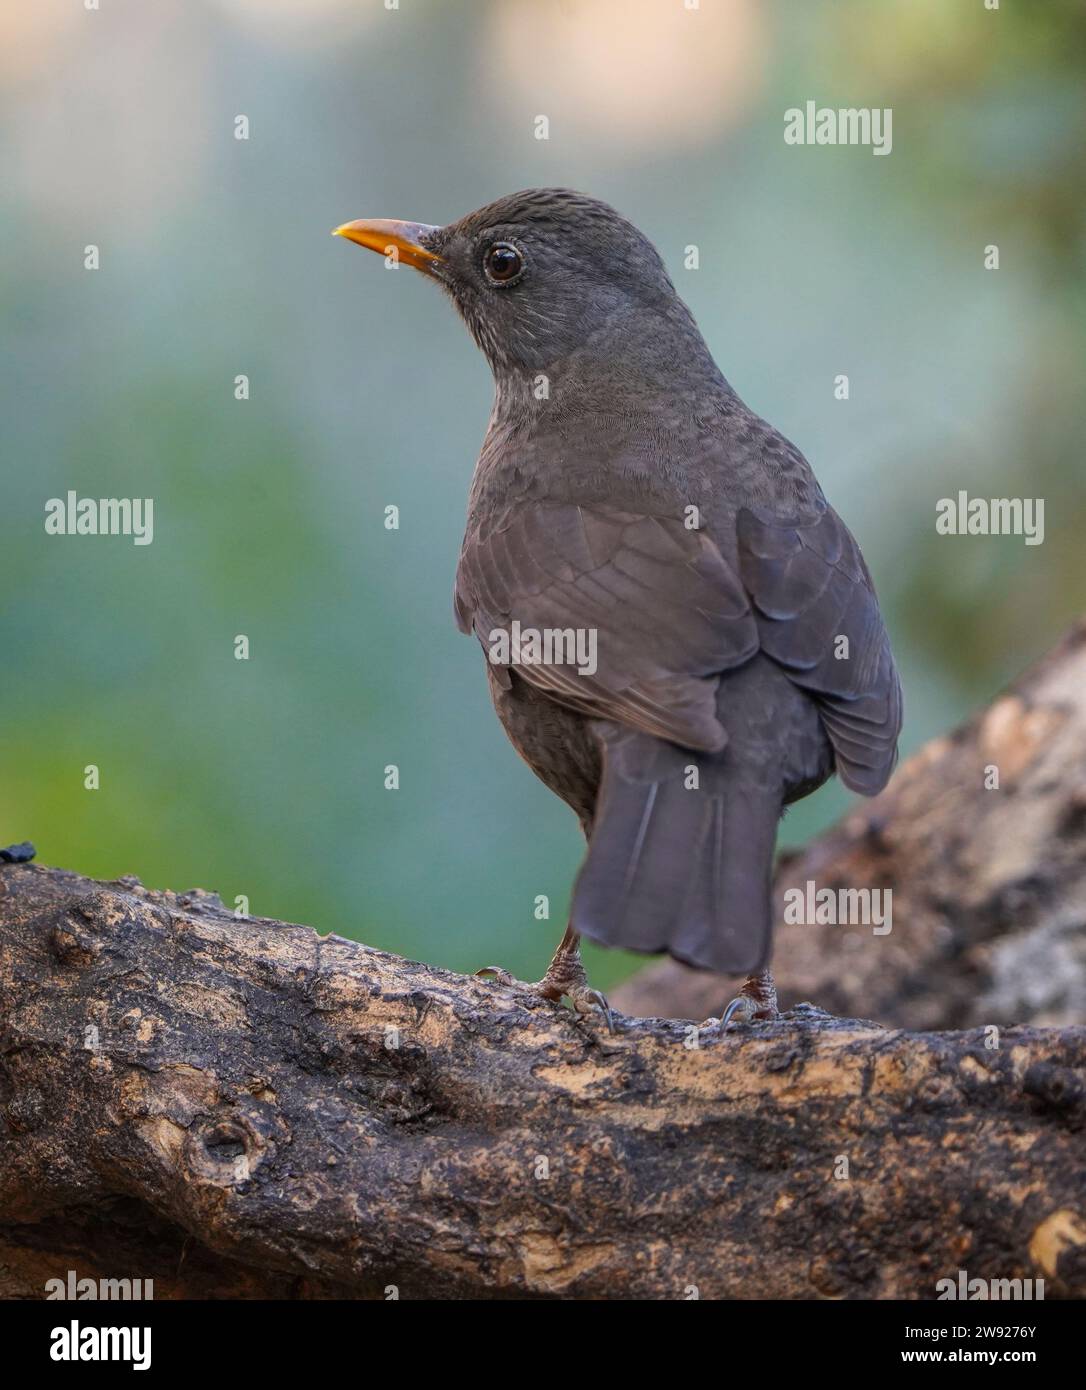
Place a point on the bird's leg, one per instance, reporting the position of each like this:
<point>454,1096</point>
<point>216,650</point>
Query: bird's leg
<point>565,976</point>
<point>755,1002</point>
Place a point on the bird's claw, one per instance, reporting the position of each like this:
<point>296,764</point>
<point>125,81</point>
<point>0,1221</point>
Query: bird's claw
<point>585,1000</point>
<point>495,972</point>
<point>742,1009</point>
<point>592,1001</point>
<point>756,1002</point>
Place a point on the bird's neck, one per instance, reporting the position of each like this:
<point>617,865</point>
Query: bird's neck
<point>648,364</point>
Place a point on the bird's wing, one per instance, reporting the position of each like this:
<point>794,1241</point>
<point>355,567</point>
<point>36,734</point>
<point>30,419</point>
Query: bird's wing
<point>668,613</point>
<point>819,619</point>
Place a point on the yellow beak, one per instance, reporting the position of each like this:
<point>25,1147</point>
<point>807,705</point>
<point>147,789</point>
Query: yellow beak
<point>397,240</point>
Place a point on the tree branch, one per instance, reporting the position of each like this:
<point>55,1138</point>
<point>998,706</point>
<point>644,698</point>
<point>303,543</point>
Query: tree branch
<point>241,1108</point>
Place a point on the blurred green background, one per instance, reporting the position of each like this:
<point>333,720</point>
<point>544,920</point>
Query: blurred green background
<point>265,777</point>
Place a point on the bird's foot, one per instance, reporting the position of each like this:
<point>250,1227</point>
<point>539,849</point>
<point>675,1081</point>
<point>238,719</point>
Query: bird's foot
<point>586,1000</point>
<point>756,1002</point>
<point>565,979</point>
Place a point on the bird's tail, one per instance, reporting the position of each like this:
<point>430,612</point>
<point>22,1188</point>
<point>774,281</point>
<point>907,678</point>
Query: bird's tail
<point>680,856</point>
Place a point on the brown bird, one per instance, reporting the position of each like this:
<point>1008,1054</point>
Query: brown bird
<point>732,654</point>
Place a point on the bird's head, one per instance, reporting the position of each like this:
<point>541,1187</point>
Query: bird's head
<point>544,279</point>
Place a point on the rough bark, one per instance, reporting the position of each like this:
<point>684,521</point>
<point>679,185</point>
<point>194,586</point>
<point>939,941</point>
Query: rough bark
<point>989,884</point>
<point>242,1108</point>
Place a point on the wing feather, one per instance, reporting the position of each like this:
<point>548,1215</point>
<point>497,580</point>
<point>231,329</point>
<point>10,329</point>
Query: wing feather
<point>811,589</point>
<point>668,613</point>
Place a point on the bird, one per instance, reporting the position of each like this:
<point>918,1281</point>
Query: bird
<point>732,654</point>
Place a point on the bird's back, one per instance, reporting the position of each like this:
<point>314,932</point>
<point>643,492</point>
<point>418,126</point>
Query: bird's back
<point>742,658</point>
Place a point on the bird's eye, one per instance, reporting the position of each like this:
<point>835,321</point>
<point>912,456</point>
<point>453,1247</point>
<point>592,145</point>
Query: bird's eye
<point>502,263</point>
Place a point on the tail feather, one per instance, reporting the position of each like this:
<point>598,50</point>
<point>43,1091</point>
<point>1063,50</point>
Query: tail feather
<point>678,867</point>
